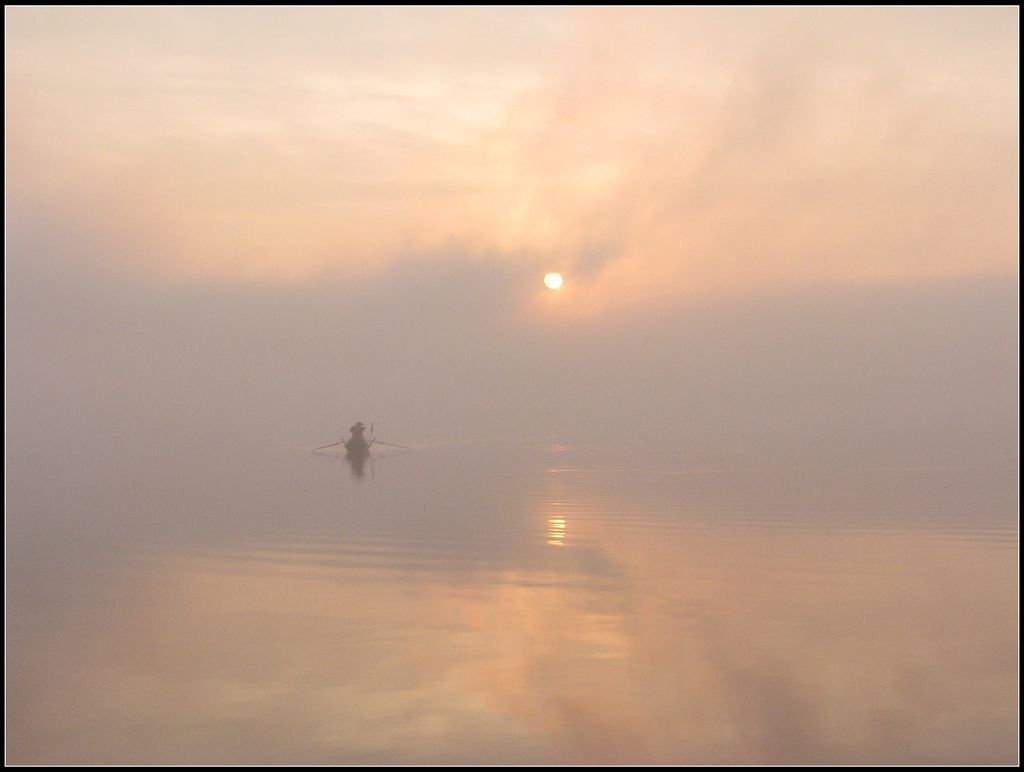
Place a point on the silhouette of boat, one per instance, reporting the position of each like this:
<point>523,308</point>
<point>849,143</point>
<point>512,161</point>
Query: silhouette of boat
<point>356,446</point>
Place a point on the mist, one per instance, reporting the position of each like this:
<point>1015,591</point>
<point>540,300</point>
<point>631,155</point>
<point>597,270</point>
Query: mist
<point>742,488</point>
<point>917,372</point>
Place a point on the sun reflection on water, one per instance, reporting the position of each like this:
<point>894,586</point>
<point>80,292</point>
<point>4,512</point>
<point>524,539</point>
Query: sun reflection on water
<point>556,531</point>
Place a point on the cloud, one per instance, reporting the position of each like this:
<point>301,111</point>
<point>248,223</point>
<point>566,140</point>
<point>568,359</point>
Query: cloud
<point>658,152</point>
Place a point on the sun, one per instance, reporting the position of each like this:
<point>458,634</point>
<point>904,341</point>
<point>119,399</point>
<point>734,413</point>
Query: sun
<point>553,280</point>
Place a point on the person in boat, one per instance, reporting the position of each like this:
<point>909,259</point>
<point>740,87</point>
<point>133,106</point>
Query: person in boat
<point>357,442</point>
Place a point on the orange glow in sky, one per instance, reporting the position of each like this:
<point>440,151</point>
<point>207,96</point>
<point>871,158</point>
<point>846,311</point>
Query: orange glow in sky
<point>659,152</point>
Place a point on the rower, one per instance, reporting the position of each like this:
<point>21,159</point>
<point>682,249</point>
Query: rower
<point>357,443</point>
<point>357,430</point>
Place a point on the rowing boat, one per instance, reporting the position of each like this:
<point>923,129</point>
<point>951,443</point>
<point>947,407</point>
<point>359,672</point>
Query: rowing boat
<point>356,446</point>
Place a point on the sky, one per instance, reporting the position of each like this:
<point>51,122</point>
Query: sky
<point>778,226</point>
<point>670,151</point>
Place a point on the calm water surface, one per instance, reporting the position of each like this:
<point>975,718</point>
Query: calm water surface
<point>487,602</point>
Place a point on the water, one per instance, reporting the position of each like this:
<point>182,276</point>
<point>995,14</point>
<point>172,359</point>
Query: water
<point>489,602</point>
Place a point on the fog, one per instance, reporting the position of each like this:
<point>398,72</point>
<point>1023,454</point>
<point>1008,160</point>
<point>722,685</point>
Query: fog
<point>912,373</point>
<point>742,490</point>
<point>186,582</point>
<point>787,234</point>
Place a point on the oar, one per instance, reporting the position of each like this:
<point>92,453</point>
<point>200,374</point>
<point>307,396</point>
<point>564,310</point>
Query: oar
<point>393,445</point>
<point>314,450</point>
